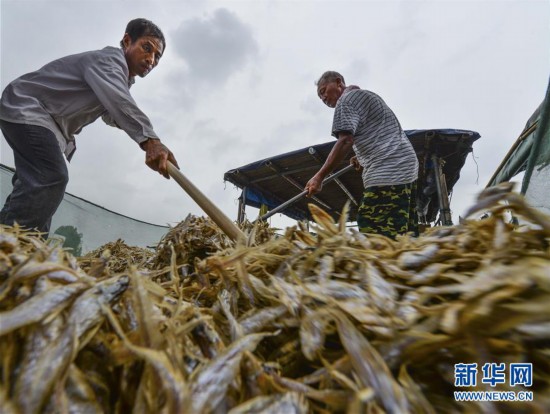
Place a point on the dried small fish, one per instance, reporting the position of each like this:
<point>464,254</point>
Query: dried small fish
<point>370,367</point>
<point>208,387</point>
<point>313,330</point>
<point>329,320</point>
<point>288,403</point>
<point>35,382</point>
<point>39,306</point>
<point>259,319</point>
<point>415,259</point>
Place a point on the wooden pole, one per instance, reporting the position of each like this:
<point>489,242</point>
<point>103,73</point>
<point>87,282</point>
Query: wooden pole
<point>217,216</point>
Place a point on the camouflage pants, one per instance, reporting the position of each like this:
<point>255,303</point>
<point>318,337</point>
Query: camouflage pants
<point>389,210</point>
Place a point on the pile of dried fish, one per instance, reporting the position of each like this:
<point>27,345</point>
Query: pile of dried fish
<point>329,321</point>
<point>115,257</point>
<point>195,238</point>
<point>50,309</point>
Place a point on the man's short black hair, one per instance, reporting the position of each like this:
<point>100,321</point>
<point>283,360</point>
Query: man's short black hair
<point>142,27</point>
<point>330,76</point>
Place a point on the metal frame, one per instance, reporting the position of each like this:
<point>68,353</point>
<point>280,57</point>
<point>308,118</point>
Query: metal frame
<point>441,153</point>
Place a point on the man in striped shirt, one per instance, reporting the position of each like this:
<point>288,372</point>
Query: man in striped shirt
<point>363,122</point>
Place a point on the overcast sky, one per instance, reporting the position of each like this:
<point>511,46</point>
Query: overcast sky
<point>236,83</point>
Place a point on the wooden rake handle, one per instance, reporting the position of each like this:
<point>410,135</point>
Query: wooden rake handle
<point>217,216</point>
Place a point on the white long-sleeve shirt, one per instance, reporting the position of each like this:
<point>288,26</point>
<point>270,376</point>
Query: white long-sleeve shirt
<point>69,93</point>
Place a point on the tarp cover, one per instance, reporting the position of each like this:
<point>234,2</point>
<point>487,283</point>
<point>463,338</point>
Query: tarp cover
<point>530,153</point>
<point>84,226</point>
<point>536,181</point>
<point>274,180</point>
<point>515,161</point>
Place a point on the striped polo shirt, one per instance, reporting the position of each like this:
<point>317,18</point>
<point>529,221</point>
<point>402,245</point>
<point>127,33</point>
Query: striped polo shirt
<point>381,146</point>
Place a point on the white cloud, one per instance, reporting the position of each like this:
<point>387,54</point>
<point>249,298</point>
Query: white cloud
<point>214,47</point>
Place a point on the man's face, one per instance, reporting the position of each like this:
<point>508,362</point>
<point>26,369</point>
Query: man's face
<point>143,54</point>
<point>330,92</point>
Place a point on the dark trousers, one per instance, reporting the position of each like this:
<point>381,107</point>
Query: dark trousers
<point>40,177</point>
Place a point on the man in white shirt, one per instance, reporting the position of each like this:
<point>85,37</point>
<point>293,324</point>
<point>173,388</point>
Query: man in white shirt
<point>40,112</point>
